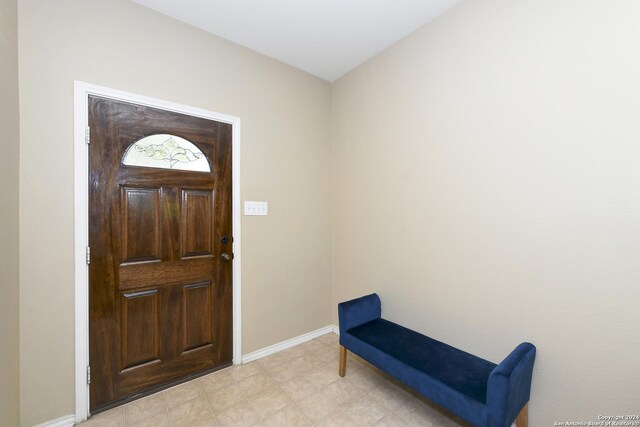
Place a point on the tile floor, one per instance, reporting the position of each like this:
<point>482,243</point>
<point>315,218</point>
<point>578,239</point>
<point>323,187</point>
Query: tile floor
<point>299,386</point>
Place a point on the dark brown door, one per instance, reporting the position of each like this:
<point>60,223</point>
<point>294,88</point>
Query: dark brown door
<point>160,248</point>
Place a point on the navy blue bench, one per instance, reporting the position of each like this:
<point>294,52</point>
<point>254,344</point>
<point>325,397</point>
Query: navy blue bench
<point>478,391</point>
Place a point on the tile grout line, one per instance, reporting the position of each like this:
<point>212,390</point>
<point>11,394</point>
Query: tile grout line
<point>300,374</point>
<point>166,408</point>
<point>300,411</point>
<point>206,399</point>
<point>336,409</point>
<point>279,386</point>
<point>246,398</point>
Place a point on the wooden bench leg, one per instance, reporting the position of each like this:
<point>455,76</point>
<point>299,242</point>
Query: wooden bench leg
<point>343,362</point>
<point>522,420</point>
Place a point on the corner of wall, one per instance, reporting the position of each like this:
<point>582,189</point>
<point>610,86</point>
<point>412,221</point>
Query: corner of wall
<point>9,212</point>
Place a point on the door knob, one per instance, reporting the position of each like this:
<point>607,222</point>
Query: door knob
<point>225,256</point>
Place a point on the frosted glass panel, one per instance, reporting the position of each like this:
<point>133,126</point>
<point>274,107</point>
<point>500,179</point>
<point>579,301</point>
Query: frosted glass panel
<point>166,152</point>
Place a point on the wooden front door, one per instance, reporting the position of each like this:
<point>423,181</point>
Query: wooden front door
<point>160,237</point>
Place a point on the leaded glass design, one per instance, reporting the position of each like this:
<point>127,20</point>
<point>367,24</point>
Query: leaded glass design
<point>166,151</point>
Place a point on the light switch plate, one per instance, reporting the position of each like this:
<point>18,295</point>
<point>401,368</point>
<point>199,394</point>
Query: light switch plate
<point>256,208</point>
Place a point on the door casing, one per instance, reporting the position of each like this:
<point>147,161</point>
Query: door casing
<point>82,91</point>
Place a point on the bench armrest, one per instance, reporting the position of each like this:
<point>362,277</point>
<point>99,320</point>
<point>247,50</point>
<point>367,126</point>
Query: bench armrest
<point>509,386</point>
<point>358,311</point>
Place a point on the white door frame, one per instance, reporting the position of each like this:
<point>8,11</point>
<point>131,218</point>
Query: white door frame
<point>81,228</point>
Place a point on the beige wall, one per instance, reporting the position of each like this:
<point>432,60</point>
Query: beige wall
<point>285,161</point>
<point>486,183</point>
<point>9,127</point>
<point>9,288</point>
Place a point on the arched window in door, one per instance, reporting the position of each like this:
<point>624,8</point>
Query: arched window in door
<point>166,151</point>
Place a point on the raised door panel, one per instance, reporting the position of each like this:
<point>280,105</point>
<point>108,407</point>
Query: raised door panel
<point>196,224</point>
<point>140,224</point>
<point>140,328</point>
<point>197,316</point>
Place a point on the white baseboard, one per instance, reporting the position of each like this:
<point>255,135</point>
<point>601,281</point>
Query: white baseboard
<point>66,421</point>
<point>272,349</point>
<point>335,329</point>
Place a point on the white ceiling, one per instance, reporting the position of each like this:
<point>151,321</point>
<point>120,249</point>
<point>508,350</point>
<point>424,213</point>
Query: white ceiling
<point>326,38</point>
